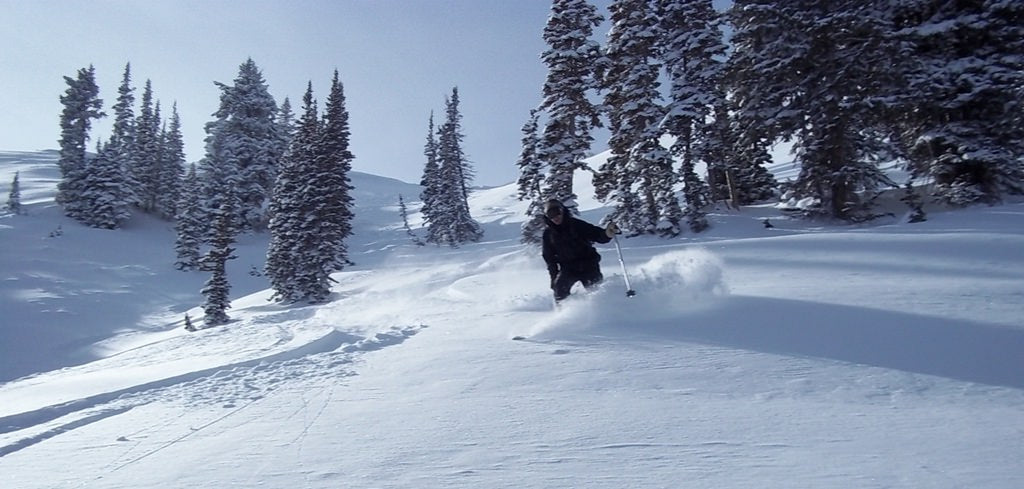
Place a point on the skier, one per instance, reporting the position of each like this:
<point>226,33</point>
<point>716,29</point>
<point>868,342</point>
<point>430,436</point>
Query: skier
<point>568,249</point>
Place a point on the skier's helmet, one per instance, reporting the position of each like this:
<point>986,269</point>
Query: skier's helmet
<point>553,208</point>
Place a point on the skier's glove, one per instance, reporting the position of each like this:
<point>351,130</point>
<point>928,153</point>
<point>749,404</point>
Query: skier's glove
<point>611,230</point>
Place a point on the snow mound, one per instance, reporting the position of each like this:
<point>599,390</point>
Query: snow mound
<point>668,287</point>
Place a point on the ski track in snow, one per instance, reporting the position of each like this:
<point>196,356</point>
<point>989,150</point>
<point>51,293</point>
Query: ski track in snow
<point>233,386</point>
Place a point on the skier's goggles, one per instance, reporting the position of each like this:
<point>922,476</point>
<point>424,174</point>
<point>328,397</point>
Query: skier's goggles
<point>554,212</point>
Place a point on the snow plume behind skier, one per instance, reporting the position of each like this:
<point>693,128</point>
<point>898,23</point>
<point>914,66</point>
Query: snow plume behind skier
<point>671,287</point>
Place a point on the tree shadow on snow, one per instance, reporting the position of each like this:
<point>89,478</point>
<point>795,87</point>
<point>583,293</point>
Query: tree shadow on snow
<point>951,348</point>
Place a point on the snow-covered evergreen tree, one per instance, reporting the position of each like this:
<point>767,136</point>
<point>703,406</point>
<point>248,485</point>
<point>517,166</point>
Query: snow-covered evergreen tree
<point>217,289</point>
<point>572,59</point>
<point>286,121</point>
<point>638,176</point>
<point>454,172</point>
<point>14,197</point>
<point>106,196</point>
<point>311,207</point>
<point>81,104</point>
<point>693,51</point>
<point>696,195</point>
<point>330,201</point>
<point>816,73</point>
<point>187,224</point>
<point>403,211</point>
<point>243,148</point>
<point>122,137</point>
<point>741,172</point>
<point>963,125</point>
<point>171,168</point>
<point>531,179</point>
<point>285,266</point>
<point>432,186</point>
<point>145,159</point>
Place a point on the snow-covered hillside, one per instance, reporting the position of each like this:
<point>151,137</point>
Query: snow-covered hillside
<point>804,355</point>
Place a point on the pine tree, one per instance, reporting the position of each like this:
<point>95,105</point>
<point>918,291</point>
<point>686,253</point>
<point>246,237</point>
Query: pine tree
<point>188,324</point>
<point>218,181</point>
<point>572,59</point>
<point>696,195</point>
<point>531,179</point>
<point>692,49</point>
<point>14,197</point>
<point>330,197</point>
<point>290,209</point>
<point>453,217</point>
<point>721,152</point>
<point>961,124</point>
<point>285,124</point>
<point>171,168</point>
<point>81,105</point>
<point>244,146</point>
<point>816,73</point>
<point>122,135</point>
<point>286,119</point>
<point>122,138</point>
<point>145,159</point>
<point>217,288</point>
<point>638,176</point>
<point>106,197</point>
<point>742,158</point>
<point>432,186</point>
<point>187,223</point>
<point>403,211</point>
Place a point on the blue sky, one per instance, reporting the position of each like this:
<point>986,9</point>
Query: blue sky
<point>398,59</point>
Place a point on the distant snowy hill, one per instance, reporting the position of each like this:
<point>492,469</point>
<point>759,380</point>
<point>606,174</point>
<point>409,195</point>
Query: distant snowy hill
<point>807,355</point>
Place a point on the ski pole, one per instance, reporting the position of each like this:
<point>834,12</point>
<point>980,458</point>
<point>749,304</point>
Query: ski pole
<point>629,290</point>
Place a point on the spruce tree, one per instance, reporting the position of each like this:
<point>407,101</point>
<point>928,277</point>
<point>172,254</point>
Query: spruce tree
<point>217,288</point>
<point>962,123</point>
<point>285,124</point>
<point>171,168</point>
<point>403,211</point>
<point>187,223</point>
<point>290,209</point>
<point>106,197</point>
<point>145,160</point>
<point>692,50</point>
<point>122,134</point>
<point>816,73</point>
<point>741,161</point>
<point>330,219</point>
<point>638,176</point>
<point>14,197</point>
<point>244,146</point>
<point>122,137</point>
<point>531,178</point>
<point>432,186</point>
<point>454,173</point>
<point>81,105</point>
<point>572,59</point>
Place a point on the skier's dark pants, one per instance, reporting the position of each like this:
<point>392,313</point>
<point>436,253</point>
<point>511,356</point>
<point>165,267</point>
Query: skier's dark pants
<point>567,278</point>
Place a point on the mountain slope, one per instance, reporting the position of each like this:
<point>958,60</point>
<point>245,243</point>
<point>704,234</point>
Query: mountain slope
<point>798,356</point>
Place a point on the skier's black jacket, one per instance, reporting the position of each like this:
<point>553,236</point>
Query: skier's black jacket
<point>569,245</point>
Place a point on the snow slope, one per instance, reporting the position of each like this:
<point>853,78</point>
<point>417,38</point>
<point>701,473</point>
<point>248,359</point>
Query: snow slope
<point>805,355</point>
